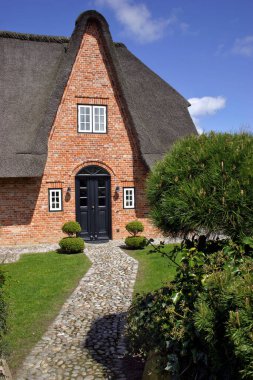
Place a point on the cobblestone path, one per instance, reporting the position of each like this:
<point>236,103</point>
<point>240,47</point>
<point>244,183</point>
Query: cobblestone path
<point>86,340</point>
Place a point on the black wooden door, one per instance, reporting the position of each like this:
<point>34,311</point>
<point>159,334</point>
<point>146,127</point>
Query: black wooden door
<point>93,206</point>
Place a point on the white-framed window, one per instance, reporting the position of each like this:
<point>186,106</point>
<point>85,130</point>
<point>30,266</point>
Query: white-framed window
<point>129,197</point>
<point>55,199</point>
<point>91,119</point>
<point>84,118</point>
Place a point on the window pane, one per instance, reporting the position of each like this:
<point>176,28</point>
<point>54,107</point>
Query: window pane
<point>83,202</point>
<point>83,182</point>
<point>99,119</point>
<point>83,192</point>
<point>84,118</point>
<point>101,201</point>
<point>101,191</point>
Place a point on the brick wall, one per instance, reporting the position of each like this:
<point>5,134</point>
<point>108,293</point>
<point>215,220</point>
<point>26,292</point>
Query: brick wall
<point>24,202</point>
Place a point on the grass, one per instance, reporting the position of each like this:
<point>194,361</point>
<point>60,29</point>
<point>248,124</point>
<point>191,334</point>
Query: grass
<point>36,288</point>
<point>154,270</point>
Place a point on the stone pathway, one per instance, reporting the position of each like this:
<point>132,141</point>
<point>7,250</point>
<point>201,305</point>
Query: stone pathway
<point>86,340</point>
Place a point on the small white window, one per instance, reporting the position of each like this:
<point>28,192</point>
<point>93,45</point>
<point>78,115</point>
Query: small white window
<point>129,197</point>
<point>91,119</point>
<point>55,199</point>
<point>84,118</point>
<point>99,119</point>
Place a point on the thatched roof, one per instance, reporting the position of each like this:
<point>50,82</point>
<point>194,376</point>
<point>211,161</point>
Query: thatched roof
<point>33,74</point>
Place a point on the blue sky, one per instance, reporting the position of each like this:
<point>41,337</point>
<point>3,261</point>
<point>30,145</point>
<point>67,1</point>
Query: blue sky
<point>203,48</point>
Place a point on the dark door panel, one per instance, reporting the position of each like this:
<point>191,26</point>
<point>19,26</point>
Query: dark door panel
<point>93,205</point>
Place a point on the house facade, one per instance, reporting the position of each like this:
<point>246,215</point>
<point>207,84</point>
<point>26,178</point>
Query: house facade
<point>82,122</point>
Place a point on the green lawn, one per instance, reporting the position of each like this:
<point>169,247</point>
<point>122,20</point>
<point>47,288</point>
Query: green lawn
<point>36,288</point>
<point>154,270</point>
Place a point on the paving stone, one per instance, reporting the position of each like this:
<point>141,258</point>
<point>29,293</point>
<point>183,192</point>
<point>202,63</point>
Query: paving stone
<point>86,340</point>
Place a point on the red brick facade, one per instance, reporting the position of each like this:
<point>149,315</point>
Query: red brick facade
<point>24,213</point>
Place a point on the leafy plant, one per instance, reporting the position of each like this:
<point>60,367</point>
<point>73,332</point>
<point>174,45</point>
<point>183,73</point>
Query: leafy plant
<point>71,245</point>
<point>204,185</point>
<point>71,228</point>
<point>200,325</point>
<point>136,242</point>
<point>135,227</point>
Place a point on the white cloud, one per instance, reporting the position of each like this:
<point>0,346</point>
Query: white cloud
<point>208,105</point>
<point>139,22</point>
<point>243,46</point>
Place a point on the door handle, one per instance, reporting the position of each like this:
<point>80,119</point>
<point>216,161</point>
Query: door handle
<point>93,207</point>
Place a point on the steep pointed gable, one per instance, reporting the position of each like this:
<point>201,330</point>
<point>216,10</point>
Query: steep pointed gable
<point>158,115</point>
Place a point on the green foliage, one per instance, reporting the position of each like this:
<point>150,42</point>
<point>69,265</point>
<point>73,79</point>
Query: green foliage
<point>201,325</point>
<point>71,245</point>
<point>3,315</point>
<point>135,227</point>
<point>71,228</point>
<point>204,184</point>
<point>136,242</point>
<point>223,318</point>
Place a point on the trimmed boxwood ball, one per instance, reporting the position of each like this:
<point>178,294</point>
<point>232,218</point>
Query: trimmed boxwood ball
<point>205,185</point>
<point>71,228</point>
<point>71,245</point>
<point>136,242</point>
<point>134,227</point>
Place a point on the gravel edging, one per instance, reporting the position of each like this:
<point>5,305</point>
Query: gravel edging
<point>12,253</point>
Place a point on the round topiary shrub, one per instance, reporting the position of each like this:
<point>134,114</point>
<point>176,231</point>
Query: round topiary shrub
<point>134,227</point>
<point>136,242</point>
<point>71,228</point>
<point>204,185</point>
<point>71,245</point>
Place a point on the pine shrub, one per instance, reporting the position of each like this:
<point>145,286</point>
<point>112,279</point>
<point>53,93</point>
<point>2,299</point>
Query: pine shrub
<point>204,184</point>
<point>200,325</point>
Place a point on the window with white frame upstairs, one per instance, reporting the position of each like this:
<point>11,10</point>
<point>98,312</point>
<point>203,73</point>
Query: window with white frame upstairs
<point>92,118</point>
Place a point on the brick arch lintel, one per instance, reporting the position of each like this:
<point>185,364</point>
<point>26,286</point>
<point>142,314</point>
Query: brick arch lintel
<point>92,162</point>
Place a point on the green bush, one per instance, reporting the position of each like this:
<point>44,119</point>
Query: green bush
<point>71,245</point>
<point>223,319</point>
<point>135,227</point>
<point>201,324</point>
<point>136,242</point>
<point>71,228</point>
<point>3,316</point>
<point>204,184</point>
